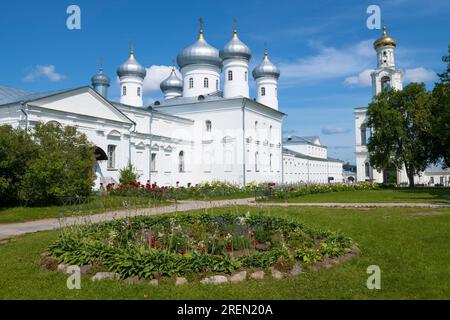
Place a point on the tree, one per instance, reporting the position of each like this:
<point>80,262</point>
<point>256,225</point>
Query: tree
<point>401,124</point>
<point>60,167</point>
<point>16,151</point>
<point>128,174</point>
<point>441,116</point>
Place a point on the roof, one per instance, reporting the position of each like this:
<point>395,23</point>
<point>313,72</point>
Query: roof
<point>304,156</point>
<point>215,96</point>
<point>312,140</point>
<point>433,168</point>
<point>13,95</point>
<point>148,110</point>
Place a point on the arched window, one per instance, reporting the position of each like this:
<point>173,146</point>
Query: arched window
<point>367,169</point>
<point>139,91</point>
<point>181,161</point>
<point>206,83</point>
<point>191,83</point>
<point>208,125</point>
<point>256,130</point>
<point>270,162</point>
<point>270,134</point>
<point>230,75</point>
<point>246,76</point>
<point>217,85</point>
<point>365,135</point>
<point>263,91</point>
<point>124,90</point>
<point>385,83</point>
<point>256,161</point>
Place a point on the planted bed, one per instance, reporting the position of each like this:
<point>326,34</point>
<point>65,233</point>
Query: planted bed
<point>155,246</point>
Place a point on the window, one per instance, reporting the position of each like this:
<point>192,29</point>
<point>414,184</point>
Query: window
<point>270,134</point>
<point>256,161</point>
<point>206,83</point>
<point>124,90</point>
<point>246,76</point>
<point>208,125</point>
<point>139,91</point>
<point>111,156</point>
<point>217,85</point>
<point>153,162</point>
<point>365,135</point>
<point>181,161</point>
<point>263,91</point>
<point>367,169</point>
<point>256,131</point>
<point>385,84</point>
<point>270,163</point>
<point>191,83</point>
<point>230,75</point>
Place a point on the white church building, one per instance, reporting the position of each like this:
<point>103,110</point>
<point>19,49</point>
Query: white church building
<point>387,75</point>
<point>206,128</point>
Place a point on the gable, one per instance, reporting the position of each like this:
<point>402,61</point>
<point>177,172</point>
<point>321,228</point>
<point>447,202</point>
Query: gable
<point>83,101</point>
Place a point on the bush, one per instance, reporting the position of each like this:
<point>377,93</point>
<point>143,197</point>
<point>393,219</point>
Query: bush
<point>128,174</point>
<point>16,151</point>
<point>48,163</point>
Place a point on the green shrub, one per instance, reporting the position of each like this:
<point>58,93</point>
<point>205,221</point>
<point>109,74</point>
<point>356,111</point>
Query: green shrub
<point>16,151</point>
<point>128,174</point>
<point>61,166</point>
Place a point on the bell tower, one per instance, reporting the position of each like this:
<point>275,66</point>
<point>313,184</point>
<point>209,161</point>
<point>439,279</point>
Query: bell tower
<point>386,75</point>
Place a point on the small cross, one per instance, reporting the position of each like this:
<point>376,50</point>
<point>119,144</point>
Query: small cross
<point>201,23</point>
<point>235,23</point>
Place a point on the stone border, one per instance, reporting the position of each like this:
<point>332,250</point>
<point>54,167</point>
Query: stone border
<point>50,263</point>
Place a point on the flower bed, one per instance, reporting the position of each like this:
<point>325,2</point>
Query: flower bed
<point>150,247</point>
<point>273,191</point>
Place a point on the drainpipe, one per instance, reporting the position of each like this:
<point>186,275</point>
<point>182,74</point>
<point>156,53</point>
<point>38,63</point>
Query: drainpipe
<point>282,158</point>
<point>24,106</point>
<point>244,151</point>
<point>150,148</point>
<point>132,129</point>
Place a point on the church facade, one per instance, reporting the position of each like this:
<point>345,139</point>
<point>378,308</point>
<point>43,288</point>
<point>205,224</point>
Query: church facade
<point>385,76</point>
<point>203,130</point>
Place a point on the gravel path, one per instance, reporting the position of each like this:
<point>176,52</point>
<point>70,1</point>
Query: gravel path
<point>17,229</point>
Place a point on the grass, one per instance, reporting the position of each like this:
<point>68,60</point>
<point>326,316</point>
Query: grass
<point>417,195</point>
<point>95,204</point>
<point>410,248</point>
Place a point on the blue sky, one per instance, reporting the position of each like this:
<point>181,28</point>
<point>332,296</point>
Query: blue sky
<point>323,48</point>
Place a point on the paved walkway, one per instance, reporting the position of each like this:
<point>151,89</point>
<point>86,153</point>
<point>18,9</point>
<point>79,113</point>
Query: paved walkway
<point>17,229</point>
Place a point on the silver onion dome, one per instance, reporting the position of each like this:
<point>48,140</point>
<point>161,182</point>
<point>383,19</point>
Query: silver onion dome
<point>235,48</point>
<point>173,82</point>
<point>100,78</point>
<point>266,69</point>
<point>199,53</point>
<point>131,67</point>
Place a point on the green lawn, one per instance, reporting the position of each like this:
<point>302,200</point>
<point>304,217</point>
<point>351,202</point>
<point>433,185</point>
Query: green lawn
<point>95,205</point>
<point>418,195</point>
<point>411,248</point>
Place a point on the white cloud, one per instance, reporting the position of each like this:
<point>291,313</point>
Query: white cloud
<point>44,71</point>
<point>419,75</point>
<point>334,130</point>
<point>329,63</point>
<point>155,75</point>
<point>361,80</point>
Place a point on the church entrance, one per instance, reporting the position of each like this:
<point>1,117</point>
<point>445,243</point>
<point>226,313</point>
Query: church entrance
<point>100,155</point>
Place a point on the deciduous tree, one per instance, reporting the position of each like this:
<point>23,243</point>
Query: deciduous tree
<point>401,125</point>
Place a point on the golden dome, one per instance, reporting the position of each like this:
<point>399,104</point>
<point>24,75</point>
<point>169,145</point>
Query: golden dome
<point>384,40</point>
